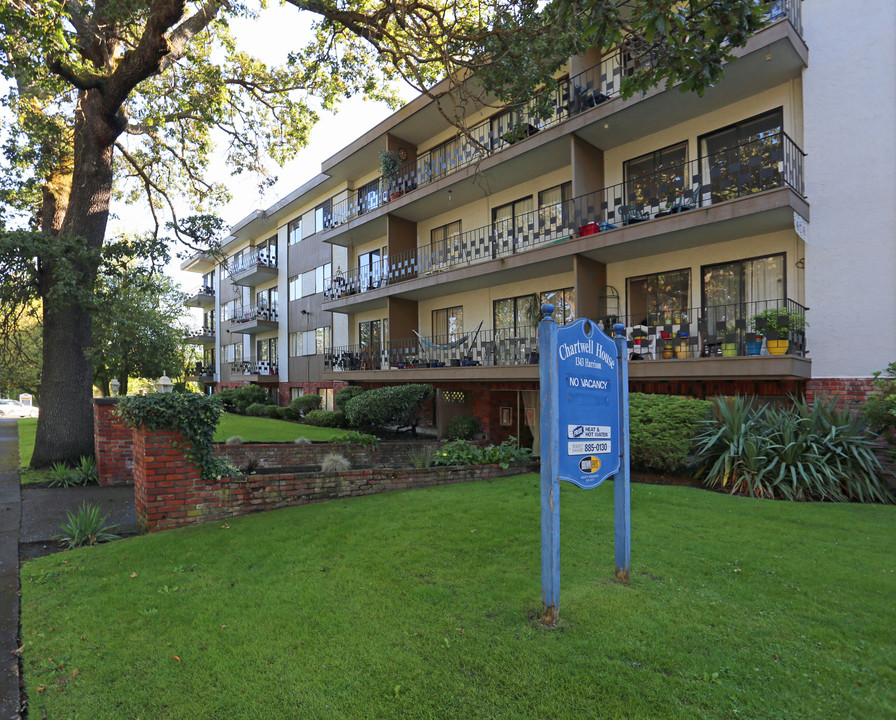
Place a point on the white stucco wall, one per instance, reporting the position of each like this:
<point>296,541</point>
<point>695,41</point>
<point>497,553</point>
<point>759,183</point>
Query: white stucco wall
<point>850,130</point>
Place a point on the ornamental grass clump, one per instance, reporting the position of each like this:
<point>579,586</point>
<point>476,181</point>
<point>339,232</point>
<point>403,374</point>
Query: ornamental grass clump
<point>86,527</point>
<point>806,452</point>
<point>335,463</point>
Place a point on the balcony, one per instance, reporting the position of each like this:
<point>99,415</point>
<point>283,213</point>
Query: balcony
<point>573,98</point>
<point>254,319</point>
<point>734,340</point>
<point>252,370</point>
<point>201,262</point>
<point>202,373</point>
<point>745,190</point>
<point>201,297</point>
<point>202,336</point>
<point>254,268</point>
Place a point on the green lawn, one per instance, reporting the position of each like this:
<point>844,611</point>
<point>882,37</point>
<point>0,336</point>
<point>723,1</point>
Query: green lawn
<point>255,429</point>
<point>424,604</point>
<point>250,429</point>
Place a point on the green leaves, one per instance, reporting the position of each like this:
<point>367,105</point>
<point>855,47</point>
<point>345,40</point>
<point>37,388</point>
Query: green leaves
<point>193,415</point>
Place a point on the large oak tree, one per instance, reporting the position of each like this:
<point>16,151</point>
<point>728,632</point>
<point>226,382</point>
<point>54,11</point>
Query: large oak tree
<point>121,97</point>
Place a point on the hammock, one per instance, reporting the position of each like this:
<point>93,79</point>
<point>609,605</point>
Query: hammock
<point>451,345</point>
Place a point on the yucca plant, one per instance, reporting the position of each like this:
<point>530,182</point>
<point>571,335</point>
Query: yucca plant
<point>63,475</point>
<point>87,471</point>
<point>86,527</point>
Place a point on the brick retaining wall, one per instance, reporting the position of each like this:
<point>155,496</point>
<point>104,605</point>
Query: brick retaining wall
<point>169,492</point>
<point>849,392</point>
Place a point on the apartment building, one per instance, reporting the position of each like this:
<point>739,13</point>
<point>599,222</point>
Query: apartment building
<point>685,218</point>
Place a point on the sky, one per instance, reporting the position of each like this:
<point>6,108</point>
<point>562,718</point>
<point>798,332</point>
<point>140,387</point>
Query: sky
<point>278,30</point>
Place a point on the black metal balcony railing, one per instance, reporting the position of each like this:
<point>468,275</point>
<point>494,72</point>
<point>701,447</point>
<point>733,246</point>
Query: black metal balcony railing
<point>486,347</point>
<point>725,330</point>
<point>568,98</point>
<point>765,164</point>
<point>252,366</point>
<point>204,290</point>
<point>206,331</point>
<point>252,260</point>
<point>257,311</point>
<point>200,369</point>
<point>729,330</point>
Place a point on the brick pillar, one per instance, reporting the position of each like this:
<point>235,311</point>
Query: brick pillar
<point>168,489</point>
<point>113,444</point>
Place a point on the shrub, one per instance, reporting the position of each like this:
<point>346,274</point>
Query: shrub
<point>302,441</point>
<point>342,396</point>
<point>257,410</point>
<point>880,408</point>
<point>359,438</point>
<point>462,427</point>
<point>326,418</point>
<point>236,400</point>
<point>86,527</point>
<point>463,452</point>
<point>305,404</point>
<point>806,452</point>
<point>334,462</point>
<point>274,412</point>
<point>392,405</point>
<point>662,429</point>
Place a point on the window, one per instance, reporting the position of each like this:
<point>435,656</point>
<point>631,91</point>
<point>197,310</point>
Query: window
<point>516,317</point>
<point>659,299</point>
<point>295,287</point>
<point>233,353</point>
<point>734,291</point>
<point>302,343</point>
<point>296,393</point>
<point>553,206</point>
<point>309,283</point>
<point>323,216</point>
<point>322,277</point>
<point>266,350</point>
<point>266,299</point>
<point>370,335</point>
<point>369,197</point>
<point>295,232</point>
<point>564,302</point>
<point>448,324</point>
<point>267,252</point>
<point>656,177</point>
<point>743,158</point>
<point>327,398</point>
<point>510,224</point>
<point>322,340</point>
<point>370,268</point>
<point>229,310</point>
<point>443,244</point>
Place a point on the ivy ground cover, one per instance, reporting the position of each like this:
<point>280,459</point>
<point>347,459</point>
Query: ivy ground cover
<point>424,604</point>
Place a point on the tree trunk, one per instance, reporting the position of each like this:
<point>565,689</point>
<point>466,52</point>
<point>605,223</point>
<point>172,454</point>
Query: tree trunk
<point>65,423</point>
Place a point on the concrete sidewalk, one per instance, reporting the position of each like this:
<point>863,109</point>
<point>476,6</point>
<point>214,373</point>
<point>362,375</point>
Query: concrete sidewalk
<point>10,520</point>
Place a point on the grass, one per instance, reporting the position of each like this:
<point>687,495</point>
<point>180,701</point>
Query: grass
<point>251,429</point>
<point>424,604</point>
<point>256,429</point>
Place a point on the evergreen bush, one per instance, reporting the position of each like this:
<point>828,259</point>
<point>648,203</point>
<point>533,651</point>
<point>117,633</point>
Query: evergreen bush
<point>397,405</point>
<point>662,429</point>
<point>880,408</point>
<point>305,404</point>
<point>326,418</point>
<point>462,427</point>
<point>342,396</point>
<point>257,410</point>
<point>237,400</point>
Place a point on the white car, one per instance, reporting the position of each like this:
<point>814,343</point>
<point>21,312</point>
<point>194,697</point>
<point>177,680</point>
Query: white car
<point>15,409</point>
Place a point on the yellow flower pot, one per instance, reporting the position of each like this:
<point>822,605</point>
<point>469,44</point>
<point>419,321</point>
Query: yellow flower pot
<point>729,349</point>
<point>777,347</point>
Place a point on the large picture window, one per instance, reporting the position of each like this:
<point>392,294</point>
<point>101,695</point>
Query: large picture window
<point>734,291</point>
<point>660,298</point>
<point>516,317</point>
<point>743,158</point>
<point>657,176</point>
<point>442,241</point>
<point>564,302</point>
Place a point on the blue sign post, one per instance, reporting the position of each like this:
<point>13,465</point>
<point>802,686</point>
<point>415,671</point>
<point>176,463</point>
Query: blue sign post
<point>584,434</point>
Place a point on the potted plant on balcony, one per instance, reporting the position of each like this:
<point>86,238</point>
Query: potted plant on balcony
<point>390,166</point>
<point>777,324</point>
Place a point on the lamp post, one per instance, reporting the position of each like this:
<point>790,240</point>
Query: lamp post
<point>164,385</point>
<point>114,386</point>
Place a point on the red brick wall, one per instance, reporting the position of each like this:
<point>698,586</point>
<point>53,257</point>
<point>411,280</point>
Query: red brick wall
<point>849,392</point>
<point>169,492</point>
<point>286,455</point>
<point>113,444</point>
<point>710,387</point>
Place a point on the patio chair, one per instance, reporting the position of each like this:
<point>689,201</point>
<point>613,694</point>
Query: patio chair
<point>630,215</point>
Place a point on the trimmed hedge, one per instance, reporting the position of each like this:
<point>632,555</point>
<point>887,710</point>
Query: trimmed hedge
<point>342,396</point>
<point>391,405</point>
<point>663,428</point>
<point>326,418</point>
<point>305,404</point>
<point>238,400</point>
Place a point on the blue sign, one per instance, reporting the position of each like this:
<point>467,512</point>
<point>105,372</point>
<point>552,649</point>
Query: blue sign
<point>588,405</point>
